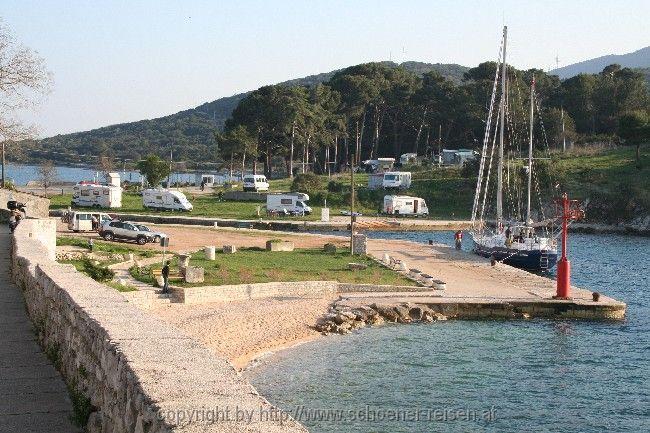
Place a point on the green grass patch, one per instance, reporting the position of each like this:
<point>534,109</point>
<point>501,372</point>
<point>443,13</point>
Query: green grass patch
<point>255,265</point>
<point>103,247</point>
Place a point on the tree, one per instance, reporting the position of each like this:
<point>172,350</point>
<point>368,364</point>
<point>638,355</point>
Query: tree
<point>154,169</point>
<point>23,77</point>
<point>634,128</point>
<point>47,174</point>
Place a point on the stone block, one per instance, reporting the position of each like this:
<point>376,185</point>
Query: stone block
<point>279,245</point>
<point>229,249</point>
<point>209,252</point>
<point>357,266</point>
<point>359,244</point>
<point>183,260</point>
<point>194,274</point>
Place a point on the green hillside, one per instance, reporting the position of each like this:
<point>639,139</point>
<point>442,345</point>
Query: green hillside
<point>189,133</point>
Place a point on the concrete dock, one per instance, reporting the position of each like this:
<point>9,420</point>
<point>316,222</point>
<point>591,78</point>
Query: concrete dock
<point>476,289</point>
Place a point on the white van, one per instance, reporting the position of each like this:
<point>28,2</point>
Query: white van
<point>288,203</point>
<point>96,195</point>
<point>255,183</point>
<point>83,221</point>
<point>165,199</point>
<point>405,205</point>
<point>397,179</point>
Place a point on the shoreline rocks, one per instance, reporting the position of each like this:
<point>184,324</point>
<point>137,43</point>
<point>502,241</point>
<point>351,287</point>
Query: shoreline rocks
<point>343,319</point>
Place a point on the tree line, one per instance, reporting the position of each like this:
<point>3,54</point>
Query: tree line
<point>376,110</point>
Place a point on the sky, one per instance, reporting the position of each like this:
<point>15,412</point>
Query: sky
<point>122,61</point>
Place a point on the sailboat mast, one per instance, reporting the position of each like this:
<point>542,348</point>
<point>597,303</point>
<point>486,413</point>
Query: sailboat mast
<point>501,129</point>
<point>530,149</point>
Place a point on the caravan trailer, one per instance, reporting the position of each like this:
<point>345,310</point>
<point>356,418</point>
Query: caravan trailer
<point>405,205</point>
<point>165,199</point>
<point>96,195</point>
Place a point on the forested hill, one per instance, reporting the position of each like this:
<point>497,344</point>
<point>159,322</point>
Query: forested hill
<point>189,133</point>
<point>637,59</point>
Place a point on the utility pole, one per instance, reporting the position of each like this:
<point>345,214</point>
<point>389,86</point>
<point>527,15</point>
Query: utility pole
<point>352,207</point>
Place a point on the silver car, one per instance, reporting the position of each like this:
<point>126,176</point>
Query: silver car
<point>113,230</point>
<point>156,236</point>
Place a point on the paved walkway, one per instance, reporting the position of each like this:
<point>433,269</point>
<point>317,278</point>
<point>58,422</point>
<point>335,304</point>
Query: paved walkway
<point>33,397</point>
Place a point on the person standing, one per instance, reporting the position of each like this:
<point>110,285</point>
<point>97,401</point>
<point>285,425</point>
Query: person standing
<point>458,237</point>
<point>95,222</point>
<point>165,275</point>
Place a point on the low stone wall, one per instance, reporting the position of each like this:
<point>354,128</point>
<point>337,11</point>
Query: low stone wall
<point>243,292</point>
<point>303,289</point>
<point>138,373</point>
<point>37,207</point>
<point>245,196</point>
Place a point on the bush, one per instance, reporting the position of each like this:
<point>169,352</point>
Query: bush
<point>307,182</point>
<point>97,273</point>
<point>334,186</point>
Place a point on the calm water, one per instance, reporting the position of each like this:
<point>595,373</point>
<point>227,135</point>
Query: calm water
<point>512,376</point>
<point>21,174</point>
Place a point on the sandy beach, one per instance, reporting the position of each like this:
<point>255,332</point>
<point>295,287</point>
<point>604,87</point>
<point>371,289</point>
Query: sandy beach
<point>242,331</point>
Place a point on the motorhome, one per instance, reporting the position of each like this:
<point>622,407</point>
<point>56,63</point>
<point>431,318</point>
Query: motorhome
<point>96,195</point>
<point>165,199</point>
<point>83,221</point>
<point>288,203</point>
<point>397,179</point>
<point>255,183</point>
<point>405,205</point>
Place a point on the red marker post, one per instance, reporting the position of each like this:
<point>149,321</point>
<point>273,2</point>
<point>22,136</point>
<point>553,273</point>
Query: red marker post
<point>570,211</point>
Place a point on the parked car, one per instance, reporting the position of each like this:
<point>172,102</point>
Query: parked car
<point>156,236</point>
<point>113,230</point>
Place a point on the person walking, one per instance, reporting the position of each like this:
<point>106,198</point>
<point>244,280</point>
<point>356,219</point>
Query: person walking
<point>165,275</point>
<point>458,237</point>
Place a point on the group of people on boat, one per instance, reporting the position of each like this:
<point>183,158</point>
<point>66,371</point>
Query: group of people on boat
<point>519,235</point>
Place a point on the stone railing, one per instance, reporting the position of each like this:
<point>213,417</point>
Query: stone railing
<point>128,371</point>
<point>37,207</point>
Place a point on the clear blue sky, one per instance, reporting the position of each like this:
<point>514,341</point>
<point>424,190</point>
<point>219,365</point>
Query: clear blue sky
<point>121,61</point>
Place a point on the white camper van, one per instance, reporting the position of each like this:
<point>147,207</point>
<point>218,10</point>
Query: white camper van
<point>255,183</point>
<point>96,195</point>
<point>397,179</point>
<point>83,221</point>
<point>289,203</point>
<point>165,199</point>
<point>405,205</point>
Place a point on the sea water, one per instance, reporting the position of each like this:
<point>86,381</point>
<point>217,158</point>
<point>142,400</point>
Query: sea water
<point>492,375</point>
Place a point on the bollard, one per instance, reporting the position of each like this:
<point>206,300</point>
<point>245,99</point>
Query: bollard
<point>90,245</point>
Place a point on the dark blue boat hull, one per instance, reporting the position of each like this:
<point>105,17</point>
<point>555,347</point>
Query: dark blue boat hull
<point>530,260</point>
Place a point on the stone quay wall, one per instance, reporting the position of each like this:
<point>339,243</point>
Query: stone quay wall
<point>134,372</point>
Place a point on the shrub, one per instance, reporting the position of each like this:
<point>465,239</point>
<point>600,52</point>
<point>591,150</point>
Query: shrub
<point>306,182</point>
<point>334,186</point>
<point>97,273</point>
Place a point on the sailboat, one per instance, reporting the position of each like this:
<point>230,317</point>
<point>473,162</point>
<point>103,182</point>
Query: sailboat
<point>514,240</point>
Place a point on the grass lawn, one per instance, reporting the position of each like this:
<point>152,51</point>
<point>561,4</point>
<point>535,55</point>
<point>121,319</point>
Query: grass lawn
<point>255,265</point>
